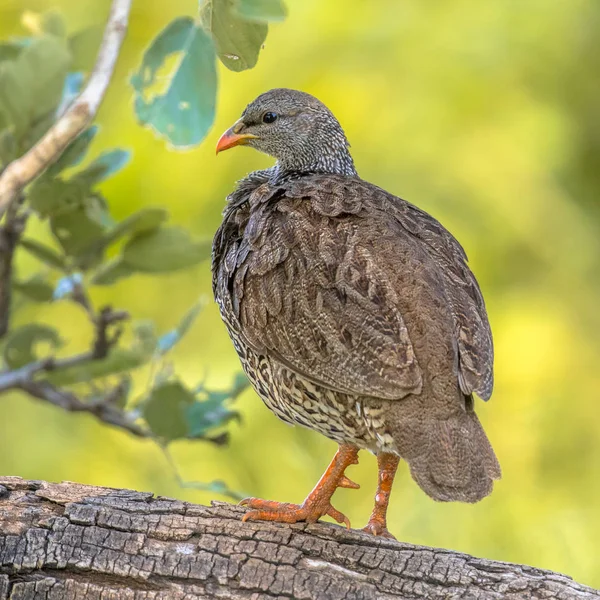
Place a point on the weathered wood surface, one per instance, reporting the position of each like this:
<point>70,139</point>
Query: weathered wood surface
<point>74,542</point>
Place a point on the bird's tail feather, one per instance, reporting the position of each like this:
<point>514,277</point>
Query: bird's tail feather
<point>460,464</point>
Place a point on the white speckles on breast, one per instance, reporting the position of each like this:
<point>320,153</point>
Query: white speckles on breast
<point>298,401</point>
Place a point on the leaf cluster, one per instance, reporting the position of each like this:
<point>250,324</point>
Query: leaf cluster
<point>86,246</point>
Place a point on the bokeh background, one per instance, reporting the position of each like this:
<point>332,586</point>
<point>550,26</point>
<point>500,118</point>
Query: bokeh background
<point>485,114</point>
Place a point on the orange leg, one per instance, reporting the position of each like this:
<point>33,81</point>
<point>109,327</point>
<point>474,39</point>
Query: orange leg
<point>317,503</point>
<point>377,525</point>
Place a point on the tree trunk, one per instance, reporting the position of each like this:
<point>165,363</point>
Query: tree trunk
<point>74,542</point>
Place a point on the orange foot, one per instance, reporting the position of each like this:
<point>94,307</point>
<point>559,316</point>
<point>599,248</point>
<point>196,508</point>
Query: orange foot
<point>375,527</point>
<point>317,503</point>
<point>284,512</point>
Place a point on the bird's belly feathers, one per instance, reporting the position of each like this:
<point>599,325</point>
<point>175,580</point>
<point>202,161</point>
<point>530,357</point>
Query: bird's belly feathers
<point>297,401</point>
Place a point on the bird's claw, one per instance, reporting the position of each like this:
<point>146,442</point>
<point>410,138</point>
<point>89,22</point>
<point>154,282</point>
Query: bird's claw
<point>375,527</point>
<point>348,483</point>
<point>284,512</point>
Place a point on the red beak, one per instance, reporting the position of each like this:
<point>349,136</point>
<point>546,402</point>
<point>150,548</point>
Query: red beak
<point>234,137</point>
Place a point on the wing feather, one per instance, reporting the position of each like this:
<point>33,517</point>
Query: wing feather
<point>473,333</point>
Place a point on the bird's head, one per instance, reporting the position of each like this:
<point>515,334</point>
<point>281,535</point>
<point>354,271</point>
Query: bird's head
<point>296,129</point>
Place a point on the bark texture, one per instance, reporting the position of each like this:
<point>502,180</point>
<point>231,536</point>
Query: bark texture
<point>73,542</point>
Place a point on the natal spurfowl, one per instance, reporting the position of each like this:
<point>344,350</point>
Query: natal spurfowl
<point>353,312</point>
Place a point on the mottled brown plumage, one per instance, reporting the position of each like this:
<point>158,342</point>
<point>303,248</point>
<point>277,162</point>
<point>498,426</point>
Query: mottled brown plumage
<point>354,312</point>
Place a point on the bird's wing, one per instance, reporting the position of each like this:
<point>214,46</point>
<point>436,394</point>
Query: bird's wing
<point>309,289</point>
<point>472,328</point>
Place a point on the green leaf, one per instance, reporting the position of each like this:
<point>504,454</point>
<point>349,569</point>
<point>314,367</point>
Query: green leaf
<point>47,255</point>
<point>120,360</point>
<point>169,339</point>
<point>97,209</point>
<point>208,414</point>
<point>104,166</point>
<point>73,153</point>
<point>78,218</point>
<point>190,317</point>
<point>111,272</point>
<point>10,50</point>
<point>53,23</point>
<point>84,47</point>
<point>184,111</point>
<point>163,250</point>
<point>49,197</point>
<point>261,10</point>
<point>8,146</point>
<point>31,86</point>
<point>77,231</point>
<point>240,383</point>
<point>145,336</point>
<point>238,41</point>
<point>14,100</point>
<point>36,288</point>
<point>20,347</point>
<point>143,221</point>
<point>165,410</point>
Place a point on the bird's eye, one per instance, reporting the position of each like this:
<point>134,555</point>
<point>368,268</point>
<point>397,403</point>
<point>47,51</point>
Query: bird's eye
<point>269,117</point>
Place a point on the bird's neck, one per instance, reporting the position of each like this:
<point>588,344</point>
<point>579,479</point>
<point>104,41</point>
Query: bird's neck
<point>326,152</point>
<point>340,164</point>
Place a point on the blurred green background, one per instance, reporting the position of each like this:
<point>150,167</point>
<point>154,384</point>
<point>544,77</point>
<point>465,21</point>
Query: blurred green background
<point>486,115</point>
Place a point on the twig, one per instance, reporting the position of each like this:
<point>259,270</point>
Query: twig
<point>104,411</point>
<point>10,234</point>
<point>14,379</point>
<point>103,321</point>
<point>29,166</point>
<point>80,296</point>
<point>102,344</point>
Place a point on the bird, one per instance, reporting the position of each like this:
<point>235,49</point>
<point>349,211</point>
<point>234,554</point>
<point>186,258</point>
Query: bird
<point>354,313</point>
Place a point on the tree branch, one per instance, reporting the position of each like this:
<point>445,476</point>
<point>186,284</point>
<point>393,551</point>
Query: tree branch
<point>77,117</point>
<point>74,541</point>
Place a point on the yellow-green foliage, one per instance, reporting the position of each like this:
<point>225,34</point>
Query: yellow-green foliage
<point>484,114</point>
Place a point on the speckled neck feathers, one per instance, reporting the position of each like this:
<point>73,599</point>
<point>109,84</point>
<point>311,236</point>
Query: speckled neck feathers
<point>328,153</point>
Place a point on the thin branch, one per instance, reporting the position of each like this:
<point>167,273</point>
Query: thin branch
<point>14,379</point>
<point>10,233</point>
<point>103,321</point>
<point>29,166</point>
<point>80,296</point>
<point>104,410</point>
<point>19,378</point>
